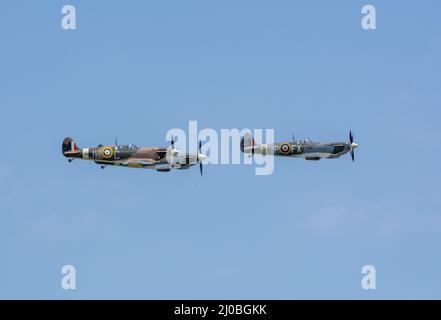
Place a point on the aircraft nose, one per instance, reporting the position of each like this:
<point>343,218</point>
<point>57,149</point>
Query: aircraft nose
<point>354,145</point>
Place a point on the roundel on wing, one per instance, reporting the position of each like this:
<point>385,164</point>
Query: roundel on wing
<point>285,148</point>
<point>107,152</point>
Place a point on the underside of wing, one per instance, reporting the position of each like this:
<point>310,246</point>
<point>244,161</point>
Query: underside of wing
<point>312,158</point>
<point>139,163</point>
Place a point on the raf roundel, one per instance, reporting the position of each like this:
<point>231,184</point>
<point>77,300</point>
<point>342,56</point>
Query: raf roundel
<point>107,152</point>
<point>285,148</point>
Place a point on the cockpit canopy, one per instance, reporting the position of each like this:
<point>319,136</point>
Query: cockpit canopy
<point>127,147</point>
<point>306,141</point>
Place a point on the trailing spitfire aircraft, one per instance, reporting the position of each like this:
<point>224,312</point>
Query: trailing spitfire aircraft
<point>306,149</point>
<point>156,158</point>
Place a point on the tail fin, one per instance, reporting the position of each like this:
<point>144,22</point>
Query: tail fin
<point>69,147</point>
<point>247,143</point>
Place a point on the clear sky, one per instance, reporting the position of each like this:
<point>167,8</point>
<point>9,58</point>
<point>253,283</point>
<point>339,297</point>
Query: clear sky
<point>135,69</point>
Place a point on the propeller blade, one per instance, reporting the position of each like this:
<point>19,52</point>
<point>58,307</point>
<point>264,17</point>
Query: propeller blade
<point>199,151</point>
<point>116,141</point>
<point>352,145</point>
<point>200,162</point>
<point>173,142</point>
<point>293,138</point>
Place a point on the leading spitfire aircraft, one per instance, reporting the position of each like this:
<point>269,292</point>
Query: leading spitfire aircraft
<point>306,149</point>
<point>156,158</point>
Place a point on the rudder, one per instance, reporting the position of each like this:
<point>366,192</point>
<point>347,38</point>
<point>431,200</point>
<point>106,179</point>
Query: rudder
<point>69,147</point>
<point>247,143</point>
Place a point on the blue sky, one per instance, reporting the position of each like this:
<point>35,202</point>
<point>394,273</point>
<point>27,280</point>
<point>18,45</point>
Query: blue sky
<point>136,69</point>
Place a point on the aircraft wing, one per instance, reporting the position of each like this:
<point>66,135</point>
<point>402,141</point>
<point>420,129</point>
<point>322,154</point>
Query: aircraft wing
<point>139,163</point>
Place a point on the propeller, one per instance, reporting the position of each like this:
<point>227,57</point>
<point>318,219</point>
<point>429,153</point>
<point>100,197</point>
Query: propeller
<point>116,141</point>
<point>172,152</point>
<point>353,145</point>
<point>197,158</point>
<point>293,138</point>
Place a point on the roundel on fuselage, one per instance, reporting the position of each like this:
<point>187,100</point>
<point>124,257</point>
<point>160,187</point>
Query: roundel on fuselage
<point>285,148</point>
<point>107,152</point>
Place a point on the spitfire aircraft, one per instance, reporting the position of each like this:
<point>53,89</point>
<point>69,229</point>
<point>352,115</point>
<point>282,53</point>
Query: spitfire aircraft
<point>307,149</point>
<point>156,158</point>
